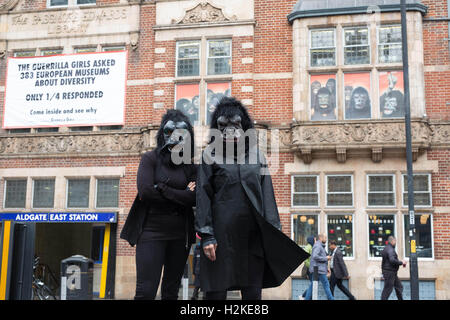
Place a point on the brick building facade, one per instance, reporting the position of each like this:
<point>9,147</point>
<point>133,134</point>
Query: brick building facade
<point>341,174</point>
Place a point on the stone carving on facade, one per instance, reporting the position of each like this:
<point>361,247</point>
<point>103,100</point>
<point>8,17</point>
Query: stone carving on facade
<point>6,5</point>
<point>204,12</point>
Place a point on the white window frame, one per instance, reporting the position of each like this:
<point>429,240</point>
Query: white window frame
<point>353,257</point>
<point>96,190</point>
<point>316,214</point>
<point>178,43</point>
<point>75,50</point>
<point>115,47</point>
<point>317,190</point>
<point>344,46</point>
<point>368,191</point>
<point>368,231</point>
<point>22,51</point>
<point>315,48</point>
<point>70,3</point>
<point>380,44</point>
<point>67,193</point>
<point>404,176</point>
<point>352,190</point>
<point>220,57</point>
<point>32,191</point>
<point>432,236</point>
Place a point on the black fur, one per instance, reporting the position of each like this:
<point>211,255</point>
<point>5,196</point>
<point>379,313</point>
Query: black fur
<point>228,107</point>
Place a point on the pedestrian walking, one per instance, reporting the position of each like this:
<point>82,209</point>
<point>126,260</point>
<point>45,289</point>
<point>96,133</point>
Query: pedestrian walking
<point>389,267</point>
<point>319,258</point>
<point>310,240</point>
<point>338,270</point>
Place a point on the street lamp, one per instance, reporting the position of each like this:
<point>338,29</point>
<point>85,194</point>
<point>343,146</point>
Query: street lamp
<point>413,267</point>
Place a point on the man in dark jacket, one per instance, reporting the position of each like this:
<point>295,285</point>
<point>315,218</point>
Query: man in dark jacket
<point>338,270</point>
<point>389,268</point>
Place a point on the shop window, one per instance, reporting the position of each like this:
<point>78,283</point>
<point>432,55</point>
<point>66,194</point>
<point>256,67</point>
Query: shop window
<point>380,228</point>
<point>303,226</point>
<point>323,97</point>
<point>390,44</point>
<point>43,193</point>
<point>107,193</point>
<point>339,190</point>
<point>219,57</point>
<point>323,47</point>
<point>188,58</point>
<point>78,193</point>
<point>305,191</point>
<point>380,190</point>
<point>340,229</point>
<point>356,46</point>
<point>424,241</point>
<point>422,190</point>
<point>15,193</point>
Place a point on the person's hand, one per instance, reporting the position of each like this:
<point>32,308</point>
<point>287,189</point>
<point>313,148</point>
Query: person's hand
<point>404,263</point>
<point>210,251</point>
<point>191,185</point>
<point>329,258</point>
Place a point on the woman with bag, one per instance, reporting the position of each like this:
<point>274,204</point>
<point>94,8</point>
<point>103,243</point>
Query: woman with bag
<point>161,220</point>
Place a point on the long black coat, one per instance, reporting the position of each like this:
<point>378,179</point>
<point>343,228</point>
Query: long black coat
<point>217,185</point>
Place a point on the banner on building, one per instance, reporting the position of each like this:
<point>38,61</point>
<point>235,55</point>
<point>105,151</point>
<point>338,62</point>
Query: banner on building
<point>65,90</point>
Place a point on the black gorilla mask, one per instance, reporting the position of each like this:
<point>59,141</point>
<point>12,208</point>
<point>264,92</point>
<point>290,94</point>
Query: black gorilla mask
<point>230,127</point>
<point>171,136</point>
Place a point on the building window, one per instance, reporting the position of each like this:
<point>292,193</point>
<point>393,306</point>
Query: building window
<point>391,90</point>
<point>51,52</point>
<point>339,191</point>
<point>78,193</point>
<point>52,129</point>
<point>305,191</point>
<point>188,58</point>
<point>187,98</point>
<point>424,236</point>
<point>219,57</point>
<point>422,190</point>
<point>356,46</point>
<point>113,48</point>
<point>30,53</point>
<point>303,226</point>
<point>82,128</point>
<point>43,193</point>
<point>323,97</point>
<point>65,3</point>
<point>107,193</point>
<point>340,229</point>
<point>380,228</point>
<point>323,47</point>
<point>15,193</point>
<point>85,50</point>
<point>215,91</point>
<point>390,44</point>
<point>380,190</point>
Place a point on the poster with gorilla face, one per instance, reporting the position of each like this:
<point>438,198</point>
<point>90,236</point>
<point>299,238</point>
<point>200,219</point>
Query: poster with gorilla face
<point>188,101</point>
<point>357,96</point>
<point>323,97</point>
<point>391,94</point>
<point>214,93</point>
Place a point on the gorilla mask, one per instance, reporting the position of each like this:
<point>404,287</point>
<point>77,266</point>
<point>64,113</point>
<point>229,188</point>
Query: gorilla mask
<point>231,128</point>
<point>172,136</point>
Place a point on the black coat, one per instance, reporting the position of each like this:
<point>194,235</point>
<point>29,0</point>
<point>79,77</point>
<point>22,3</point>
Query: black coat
<point>219,188</point>
<point>390,260</point>
<point>339,267</point>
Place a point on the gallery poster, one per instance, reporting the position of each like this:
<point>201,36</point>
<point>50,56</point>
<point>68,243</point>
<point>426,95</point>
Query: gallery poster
<point>391,94</point>
<point>187,101</point>
<point>214,93</point>
<point>323,97</point>
<point>357,96</point>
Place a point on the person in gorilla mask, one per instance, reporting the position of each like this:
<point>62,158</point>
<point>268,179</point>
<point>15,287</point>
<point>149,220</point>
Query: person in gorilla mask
<point>161,220</point>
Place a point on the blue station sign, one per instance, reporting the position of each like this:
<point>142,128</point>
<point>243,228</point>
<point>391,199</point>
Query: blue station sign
<point>61,217</point>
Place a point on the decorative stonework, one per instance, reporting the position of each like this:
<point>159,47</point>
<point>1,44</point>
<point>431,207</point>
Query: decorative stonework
<point>204,12</point>
<point>6,5</point>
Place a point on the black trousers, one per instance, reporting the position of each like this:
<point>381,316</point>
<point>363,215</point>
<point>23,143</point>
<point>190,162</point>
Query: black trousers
<point>151,256</point>
<point>338,282</point>
<point>391,281</point>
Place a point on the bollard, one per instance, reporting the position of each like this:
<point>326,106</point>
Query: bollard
<point>315,286</point>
